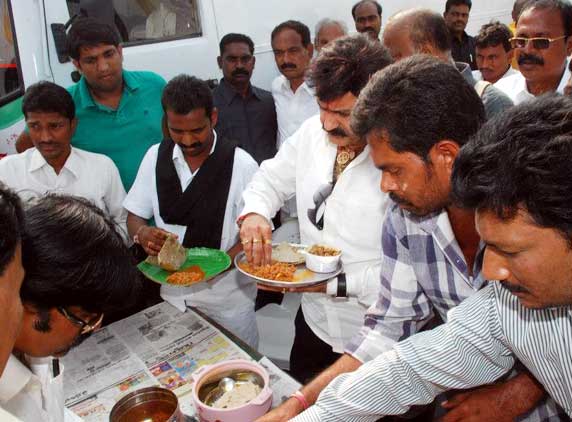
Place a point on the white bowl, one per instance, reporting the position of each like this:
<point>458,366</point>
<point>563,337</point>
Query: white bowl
<point>322,264</point>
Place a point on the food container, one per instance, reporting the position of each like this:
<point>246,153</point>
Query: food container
<point>248,412</point>
<point>151,404</point>
<point>322,264</point>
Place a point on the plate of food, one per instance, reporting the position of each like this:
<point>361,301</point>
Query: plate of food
<point>178,266</point>
<point>288,268</point>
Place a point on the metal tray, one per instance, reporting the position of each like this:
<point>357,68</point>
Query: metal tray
<point>307,277</point>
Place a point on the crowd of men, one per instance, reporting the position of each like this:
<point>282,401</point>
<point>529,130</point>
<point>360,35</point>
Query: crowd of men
<point>421,152</point>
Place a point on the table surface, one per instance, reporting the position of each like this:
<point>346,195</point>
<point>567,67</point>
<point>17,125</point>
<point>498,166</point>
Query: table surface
<point>159,346</point>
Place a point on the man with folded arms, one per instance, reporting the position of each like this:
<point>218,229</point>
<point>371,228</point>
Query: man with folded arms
<point>514,175</point>
<point>542,44</point>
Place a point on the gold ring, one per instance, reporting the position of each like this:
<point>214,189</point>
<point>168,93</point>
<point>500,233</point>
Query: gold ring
<point>284,291</point>
<point>244,242</point>
<point>255,240</point>
<point>268,242</point>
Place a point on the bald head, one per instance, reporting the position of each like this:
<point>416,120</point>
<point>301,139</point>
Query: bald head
<point>417,31</point>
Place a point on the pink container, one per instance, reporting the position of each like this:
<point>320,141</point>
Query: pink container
<point>246,413</point>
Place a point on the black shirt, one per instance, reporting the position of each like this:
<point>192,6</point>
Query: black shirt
<point>464,50</point>
<point>250,121</point>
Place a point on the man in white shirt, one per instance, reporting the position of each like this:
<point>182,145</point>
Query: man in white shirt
<point>53,165</point>
<point>494,53</point>
<point>78,268</point>
<point>522,213</point>
<point>339,203</point>
<point>295,100</point>
<point>542,44</point>
<point>191,184</point>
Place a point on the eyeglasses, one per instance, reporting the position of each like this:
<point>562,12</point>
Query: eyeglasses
<point>539,43</point>
<point>86,327</point>
<point>319,199</point>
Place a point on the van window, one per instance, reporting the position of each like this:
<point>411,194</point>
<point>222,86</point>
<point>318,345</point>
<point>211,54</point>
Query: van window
<point>143,21</point>
<point>10,80</point>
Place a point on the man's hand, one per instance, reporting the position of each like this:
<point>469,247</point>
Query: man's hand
<point>256,239</point>
<point>501,402</point>
<point>152,239</point>
<point>283,413</point>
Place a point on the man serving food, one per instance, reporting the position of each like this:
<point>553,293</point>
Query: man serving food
<point>339,203</point>
<point>191,185</point>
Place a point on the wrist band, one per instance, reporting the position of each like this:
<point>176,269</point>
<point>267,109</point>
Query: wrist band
<point>342,286</point>
<point>301,399</point>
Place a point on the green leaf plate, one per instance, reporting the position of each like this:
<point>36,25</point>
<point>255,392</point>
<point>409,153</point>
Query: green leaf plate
<point>212,262</point>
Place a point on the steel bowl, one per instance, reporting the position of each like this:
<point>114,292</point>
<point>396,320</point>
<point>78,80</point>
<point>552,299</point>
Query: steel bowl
<point>151,404</point>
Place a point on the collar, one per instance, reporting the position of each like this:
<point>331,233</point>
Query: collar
<point>73,164</point>
<point>14,379</point>
<point>130,84</point>
<point>285,86</point>
<point>464,37</point>
<point>179,157</point>
<point>229,93</point>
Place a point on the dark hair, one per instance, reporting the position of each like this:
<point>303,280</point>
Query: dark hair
<point>11,226</point>
<point>562,6</point>
<point>47,97</point>
<point>451,3</point>
<point>297,26</point>
<point>236,38</point>
<point>521,159</point>
<point>185,93</point>
<point>493,34</point>
<point>362,2</point>
<point>419,101</point>
<point>345,65</point>
<point>89,32</point>
<point>74,255</point>
<point>428,27</point>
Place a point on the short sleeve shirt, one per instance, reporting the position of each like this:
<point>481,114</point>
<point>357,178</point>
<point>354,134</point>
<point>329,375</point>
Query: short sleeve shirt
<point>125,134</point>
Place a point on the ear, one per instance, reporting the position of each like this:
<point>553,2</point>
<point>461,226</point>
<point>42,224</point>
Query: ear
<point>444,153</point>
<point>569,45</point>
<point>214,117</point>
<point>120,51</point>
<point>253,61</point>
<point>310,49</point>
<point>73,125</point>
<point>219,61</point>
<point>77,65</point>
<point>510,55</point>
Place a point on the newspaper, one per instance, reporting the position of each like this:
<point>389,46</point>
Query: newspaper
<point>158,346</point>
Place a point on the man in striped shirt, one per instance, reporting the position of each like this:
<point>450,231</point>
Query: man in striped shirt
<point>515,174</point>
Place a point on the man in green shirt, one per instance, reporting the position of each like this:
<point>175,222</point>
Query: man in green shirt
<point>119,112</point>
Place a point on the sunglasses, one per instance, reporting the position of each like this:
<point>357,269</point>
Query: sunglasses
<point>86,327</point>
<point>320,196</point>
<point>539,43</point>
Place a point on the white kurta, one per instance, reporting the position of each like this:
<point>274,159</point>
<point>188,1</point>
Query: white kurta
<point>85,174</point>
<point>515,86</point>
<point>229,298</point>
<point>352,222</point>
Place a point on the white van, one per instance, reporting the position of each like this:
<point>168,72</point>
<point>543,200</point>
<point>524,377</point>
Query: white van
<point>166,36</point>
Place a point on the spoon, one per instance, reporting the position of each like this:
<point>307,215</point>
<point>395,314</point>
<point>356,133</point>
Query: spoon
<point>226,384</point>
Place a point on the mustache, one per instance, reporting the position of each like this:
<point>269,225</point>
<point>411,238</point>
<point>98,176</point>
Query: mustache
<point>337,132</point>
<point>530,59</point>
<point>285,66</point>
<point>238,72</point>
<point>192,146</point>
<point>399,200</point>
<point>513,288</point>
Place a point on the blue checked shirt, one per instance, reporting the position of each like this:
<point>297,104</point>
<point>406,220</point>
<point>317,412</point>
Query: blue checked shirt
<point>423,271</point>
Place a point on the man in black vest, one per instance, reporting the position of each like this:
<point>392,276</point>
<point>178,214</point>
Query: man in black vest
<point>191,184</point>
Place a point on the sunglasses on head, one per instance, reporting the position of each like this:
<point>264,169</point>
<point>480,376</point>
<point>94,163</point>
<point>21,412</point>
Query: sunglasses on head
<point>539,43</point>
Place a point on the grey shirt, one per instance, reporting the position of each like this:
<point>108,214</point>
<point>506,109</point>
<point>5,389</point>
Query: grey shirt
<point>250,121</point>
<point>494,100</point>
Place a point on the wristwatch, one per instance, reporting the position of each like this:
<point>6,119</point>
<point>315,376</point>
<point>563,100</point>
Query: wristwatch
<point>342,286</point>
